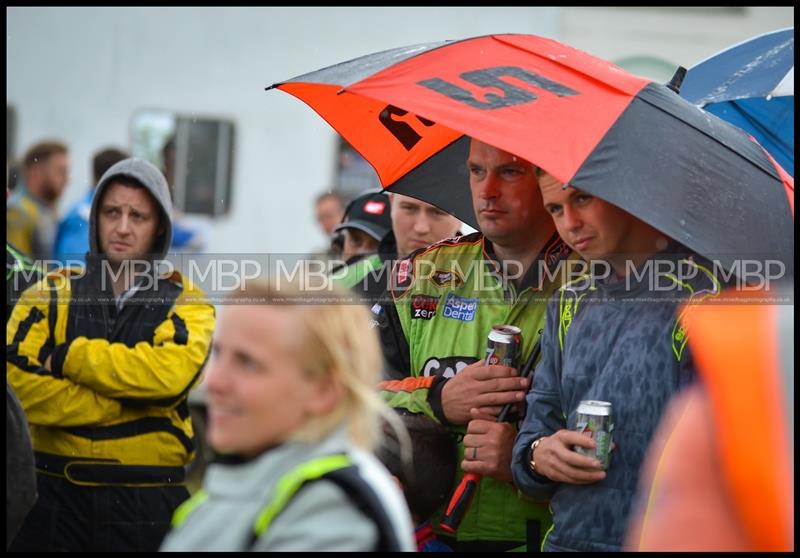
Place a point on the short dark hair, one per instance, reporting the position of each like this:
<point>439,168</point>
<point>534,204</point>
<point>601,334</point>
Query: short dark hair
<point>428,482</point>
<point>169,145</point>
<point>41,152</point>
<point>104,160</point>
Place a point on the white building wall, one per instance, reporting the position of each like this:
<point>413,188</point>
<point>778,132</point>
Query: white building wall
<point>79,74</point>
<point>681,36</point>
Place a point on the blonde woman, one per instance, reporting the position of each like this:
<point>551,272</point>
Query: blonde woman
<point>292,407</point>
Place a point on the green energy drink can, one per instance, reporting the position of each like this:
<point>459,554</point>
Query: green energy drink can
<point>596,421</point>
<point>504,345</point>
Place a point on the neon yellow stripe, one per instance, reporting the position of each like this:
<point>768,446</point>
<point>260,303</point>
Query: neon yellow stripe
<point>566,314</point>
<point>547,534</point>
<point>291,482</point>
<point>183,511</point>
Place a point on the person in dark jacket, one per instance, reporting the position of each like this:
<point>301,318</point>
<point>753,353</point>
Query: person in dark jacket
<point>611,335</point>
<point>102,362</point>
<point>428,479</point>
<point>367,220</point>
<point>20,474</point>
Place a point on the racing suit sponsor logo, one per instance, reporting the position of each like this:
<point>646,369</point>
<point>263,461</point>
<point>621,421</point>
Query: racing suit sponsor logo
<point>446,366</point>
<point>459,308</point>
<point>443,278</point>
<point>423,307</point>
<point>403,271</point>
<point>376,310</point>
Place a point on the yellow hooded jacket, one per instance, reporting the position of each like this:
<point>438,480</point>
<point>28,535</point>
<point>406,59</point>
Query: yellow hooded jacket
<point>111,406</point>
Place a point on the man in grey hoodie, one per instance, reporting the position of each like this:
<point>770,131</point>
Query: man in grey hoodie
<point>102,362</point>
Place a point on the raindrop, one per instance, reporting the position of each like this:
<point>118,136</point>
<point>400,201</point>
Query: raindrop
<point>683,222</point>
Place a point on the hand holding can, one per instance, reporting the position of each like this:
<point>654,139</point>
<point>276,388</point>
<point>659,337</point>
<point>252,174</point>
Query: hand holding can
<point>596,421</point>
<point>504,345</point>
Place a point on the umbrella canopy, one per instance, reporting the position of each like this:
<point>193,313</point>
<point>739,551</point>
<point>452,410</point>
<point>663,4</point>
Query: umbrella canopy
<point>630,141</point>
<point>751,85</point>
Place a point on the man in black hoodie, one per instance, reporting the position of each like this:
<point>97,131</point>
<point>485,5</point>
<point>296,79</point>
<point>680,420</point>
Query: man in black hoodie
<point>102,362</point>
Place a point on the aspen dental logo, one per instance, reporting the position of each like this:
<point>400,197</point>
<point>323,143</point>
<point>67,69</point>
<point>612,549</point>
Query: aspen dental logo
<point>458,308</point>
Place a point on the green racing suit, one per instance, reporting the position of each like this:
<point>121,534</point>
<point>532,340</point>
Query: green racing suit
<point>443,302</point>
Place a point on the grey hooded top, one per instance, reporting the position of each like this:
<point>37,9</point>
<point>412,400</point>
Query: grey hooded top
<point>153,180</point>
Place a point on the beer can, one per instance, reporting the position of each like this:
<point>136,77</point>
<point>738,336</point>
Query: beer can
<point>504,345</point>
<point>596,421</point>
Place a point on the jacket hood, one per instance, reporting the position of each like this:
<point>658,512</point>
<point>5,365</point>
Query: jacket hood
<point>153,180</point>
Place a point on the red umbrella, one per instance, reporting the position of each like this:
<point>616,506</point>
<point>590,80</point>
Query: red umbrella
<point>589,123</point>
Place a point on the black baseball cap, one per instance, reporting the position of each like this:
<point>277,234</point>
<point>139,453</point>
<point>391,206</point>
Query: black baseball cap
<point>370,213</point>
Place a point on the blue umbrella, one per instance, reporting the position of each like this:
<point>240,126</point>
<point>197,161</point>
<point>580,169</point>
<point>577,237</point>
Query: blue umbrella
<point>751,85</point>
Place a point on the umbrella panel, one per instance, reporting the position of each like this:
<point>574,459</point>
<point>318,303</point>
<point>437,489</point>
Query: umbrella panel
<point>639,146</point>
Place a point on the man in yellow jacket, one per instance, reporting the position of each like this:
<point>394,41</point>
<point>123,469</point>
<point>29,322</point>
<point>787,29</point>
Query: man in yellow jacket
<point>102,361</point>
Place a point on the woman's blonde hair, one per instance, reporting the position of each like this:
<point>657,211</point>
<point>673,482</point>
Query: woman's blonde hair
<point>333,339</point>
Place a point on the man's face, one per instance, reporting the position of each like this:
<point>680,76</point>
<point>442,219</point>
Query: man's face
<point>329,214</point>
<point>505,194</point>
<point>417,224</point>
<point>128,222</point>
<point>53,175</point>
<point>358,242</point>
<point>594,228</point>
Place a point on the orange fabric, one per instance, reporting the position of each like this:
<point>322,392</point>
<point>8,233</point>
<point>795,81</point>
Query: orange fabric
<point>358,119</point>
<point>502,84</point>
<point>602,93</point>
<point>735,348</point>
<point>688,507</point>
<point>409,384</point>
